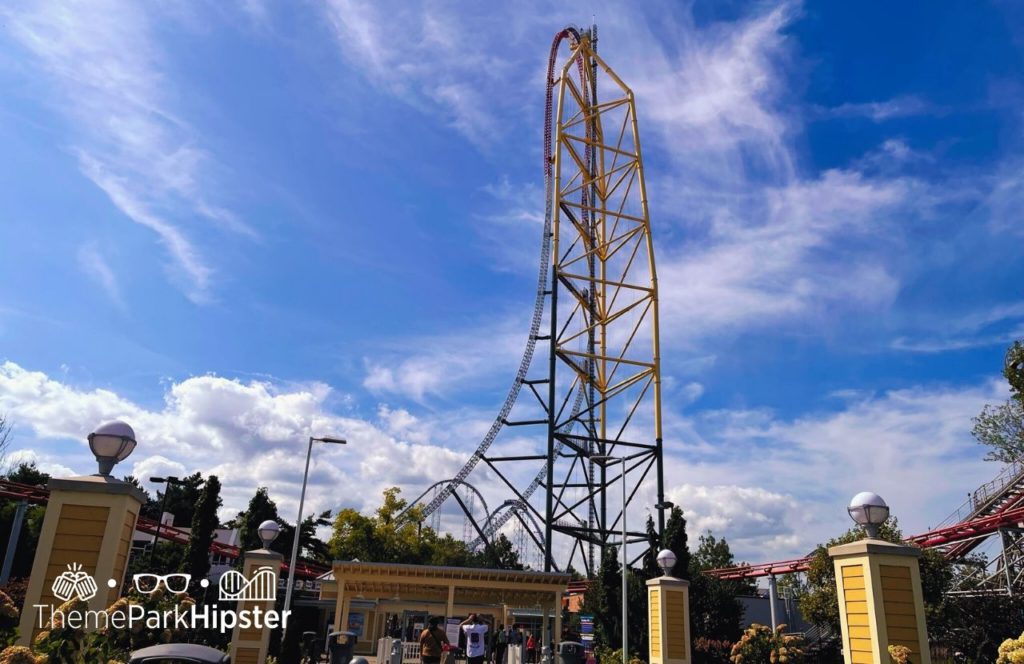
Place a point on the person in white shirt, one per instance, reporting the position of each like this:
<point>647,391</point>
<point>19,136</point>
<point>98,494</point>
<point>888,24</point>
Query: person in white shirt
<point>476,639</point>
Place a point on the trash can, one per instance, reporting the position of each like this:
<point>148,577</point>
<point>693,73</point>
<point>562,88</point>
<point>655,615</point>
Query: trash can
<point>340,646</point>
<point>571,652</point>
<point>309,646</point>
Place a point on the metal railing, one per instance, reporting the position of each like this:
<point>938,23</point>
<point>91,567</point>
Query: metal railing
<point>1011,474</point>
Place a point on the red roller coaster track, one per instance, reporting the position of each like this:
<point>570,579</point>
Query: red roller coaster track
<point>38,495</point>
<point>996,505</point>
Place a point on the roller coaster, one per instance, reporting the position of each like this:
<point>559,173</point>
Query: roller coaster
<point>992,515</point>
<point>588,415</point>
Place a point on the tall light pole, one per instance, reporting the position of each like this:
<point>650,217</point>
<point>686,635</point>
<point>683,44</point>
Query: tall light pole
<point>611,461</point>
<point>169,481</point>
<point>298,521</point>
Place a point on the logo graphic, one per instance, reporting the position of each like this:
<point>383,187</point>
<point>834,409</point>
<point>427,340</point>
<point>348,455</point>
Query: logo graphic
<point>262,587</point>
<point>174,583</point>
<point>74,581</point>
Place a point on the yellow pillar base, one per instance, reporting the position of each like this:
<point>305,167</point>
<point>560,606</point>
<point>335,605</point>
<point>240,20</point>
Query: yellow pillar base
<point>880,602</point>
<point>89,522</point>
<point>250,645</point>
<point>668,614</point>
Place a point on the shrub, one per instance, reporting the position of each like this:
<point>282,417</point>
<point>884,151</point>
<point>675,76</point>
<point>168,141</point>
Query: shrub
<point>8,620</point>
<point>20,655</point>
<point>1011,651</point>
<point>900,654</point>
<point>760,645</point>
<point>711,651</point>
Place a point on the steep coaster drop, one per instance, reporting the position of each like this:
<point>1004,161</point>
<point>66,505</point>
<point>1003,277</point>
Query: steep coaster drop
<point>590,416</point>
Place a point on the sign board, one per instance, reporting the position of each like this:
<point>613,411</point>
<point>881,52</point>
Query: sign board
<point>451,630</point>
<point>355,623</point>
<point>587,632</point>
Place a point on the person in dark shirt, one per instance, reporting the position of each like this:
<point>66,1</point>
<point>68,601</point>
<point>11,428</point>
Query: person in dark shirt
<point>432,642</point>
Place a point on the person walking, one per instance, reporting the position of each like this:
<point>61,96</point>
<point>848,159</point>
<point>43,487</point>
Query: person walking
<point>476,639</point>
<point>501,644</point>
<point>432,642</point>
<point>531,649</point>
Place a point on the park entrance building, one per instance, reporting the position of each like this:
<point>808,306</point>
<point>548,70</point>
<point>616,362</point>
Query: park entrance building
<point>386,599</point>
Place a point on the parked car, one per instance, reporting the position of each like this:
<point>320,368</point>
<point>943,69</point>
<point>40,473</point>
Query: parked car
<point>179,653</point>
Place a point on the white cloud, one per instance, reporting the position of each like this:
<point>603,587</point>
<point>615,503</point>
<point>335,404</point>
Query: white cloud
<point>443,365</point>
<point>250,434</point>
<point>113,85</point>
<point>46,463</point>
<point>779,486</point>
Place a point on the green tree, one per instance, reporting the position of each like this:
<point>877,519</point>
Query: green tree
<point>676,542</point>
<point>204,526</point>
<point>1001,427</point>
<point>603,600</point>
<point>181,500</point>
<point>261,508</point>
<point>27,472</point>
<point>310,546</point>
<point>500,555</point>
<point>819,603</point>
<point>23,473</point>
<point>715,611</point>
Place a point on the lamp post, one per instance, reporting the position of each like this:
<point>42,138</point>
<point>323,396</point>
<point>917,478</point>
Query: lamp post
<point>667,561</point>
<point>611,461</point>
<point>298,521</point>
<point>268,532</point>
<point>111,444</point>
<point>169,481</point>
<point>868,510</point>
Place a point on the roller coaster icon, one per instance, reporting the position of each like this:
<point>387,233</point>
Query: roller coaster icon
<point>262,587</point>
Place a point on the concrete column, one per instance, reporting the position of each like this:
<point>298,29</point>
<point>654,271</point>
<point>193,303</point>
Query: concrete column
<point>880,601</point>
<point>558,622</point>
<point>249,646</point>
<point>545,631</point>
<point>89,522</point>
<point>668,614</point>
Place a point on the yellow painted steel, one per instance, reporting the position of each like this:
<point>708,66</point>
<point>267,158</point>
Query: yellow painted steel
<point>622,288</point>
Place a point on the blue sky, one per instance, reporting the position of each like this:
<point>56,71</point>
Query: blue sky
<point>236,223</point>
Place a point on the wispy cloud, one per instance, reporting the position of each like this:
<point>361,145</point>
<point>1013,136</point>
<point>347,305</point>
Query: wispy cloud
<point>439,65</point>
<point>97,268</point>
<point>995,326</point>
<point>113,85</point>
<point>880,111</point>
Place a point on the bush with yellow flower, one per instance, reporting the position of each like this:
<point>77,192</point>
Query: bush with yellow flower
<point>761,644</point>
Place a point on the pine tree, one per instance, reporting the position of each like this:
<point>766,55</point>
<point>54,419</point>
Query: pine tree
<point>204,523</point>
<point>676,542</point>
<point>261,508</point>
<point>603,600</point>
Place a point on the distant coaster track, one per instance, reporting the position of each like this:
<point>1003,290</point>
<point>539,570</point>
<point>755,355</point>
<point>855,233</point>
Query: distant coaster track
<point>544,268</point>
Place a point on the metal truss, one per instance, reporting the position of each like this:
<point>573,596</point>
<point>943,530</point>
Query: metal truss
<point>574,416</point>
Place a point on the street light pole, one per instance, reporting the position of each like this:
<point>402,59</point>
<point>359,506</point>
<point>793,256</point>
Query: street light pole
<point>168,481</point>
<point>298,521</point>
<point>611,461</point>
<point>625,571</point>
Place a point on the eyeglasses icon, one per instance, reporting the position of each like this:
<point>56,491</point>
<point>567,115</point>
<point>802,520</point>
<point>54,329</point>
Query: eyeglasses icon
<point>148,583</point>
